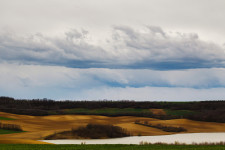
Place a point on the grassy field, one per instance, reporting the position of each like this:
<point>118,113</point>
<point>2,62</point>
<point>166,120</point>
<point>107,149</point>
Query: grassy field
<point>127,111</point>
<point>107,111</point>
<point>109,147</point>
<point>180,113</point>
<point>3,131</point>
<point>4,118</point>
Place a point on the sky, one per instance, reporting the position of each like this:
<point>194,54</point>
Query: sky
<point>144,50</point>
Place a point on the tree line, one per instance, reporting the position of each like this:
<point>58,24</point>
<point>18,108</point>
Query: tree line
<point>205,110</point>
<point>46,104</point>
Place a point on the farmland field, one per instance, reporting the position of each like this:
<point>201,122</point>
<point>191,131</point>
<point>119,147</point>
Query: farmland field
<point>38,127</point>
<point>2,131</point>
<point>110,147</point>
<point>42,118</point>
<point>180,113</point>
<point>4,118</point>
<point>108,111</point>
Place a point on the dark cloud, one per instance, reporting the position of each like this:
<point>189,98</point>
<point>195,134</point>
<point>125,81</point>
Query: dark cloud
<point>147,48</point>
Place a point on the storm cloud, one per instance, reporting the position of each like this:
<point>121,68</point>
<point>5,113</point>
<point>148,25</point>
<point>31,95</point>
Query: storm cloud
<point>149,47</point>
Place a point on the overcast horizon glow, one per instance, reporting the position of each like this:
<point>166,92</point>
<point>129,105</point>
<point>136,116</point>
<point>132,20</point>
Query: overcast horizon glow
<point>113,49</point>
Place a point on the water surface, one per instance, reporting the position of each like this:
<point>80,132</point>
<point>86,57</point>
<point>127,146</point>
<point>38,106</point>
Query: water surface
<point>188,138</point>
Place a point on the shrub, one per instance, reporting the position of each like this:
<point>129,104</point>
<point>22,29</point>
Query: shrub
<point>13,127</point>
<point>96,131</point>
<point>164,128</point>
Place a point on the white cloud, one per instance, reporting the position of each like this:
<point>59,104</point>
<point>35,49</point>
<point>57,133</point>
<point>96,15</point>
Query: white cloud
<point>204,17</point>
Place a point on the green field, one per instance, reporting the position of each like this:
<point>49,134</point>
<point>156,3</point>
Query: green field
<point>4,118</point>
<point>108,147</point>
<point>108,111</point>
<point>3,131</point>
<point>125,111</point>
<point>179,113</point>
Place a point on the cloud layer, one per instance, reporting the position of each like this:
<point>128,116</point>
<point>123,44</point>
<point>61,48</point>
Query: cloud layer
<point>34,81</point>
<point>126,48</point>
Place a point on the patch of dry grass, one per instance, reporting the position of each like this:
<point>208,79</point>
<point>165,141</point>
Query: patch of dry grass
<point>158,111</point>
<point>21,141</point>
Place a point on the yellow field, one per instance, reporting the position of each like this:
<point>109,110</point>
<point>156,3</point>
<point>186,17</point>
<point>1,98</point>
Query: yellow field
<point>38,127</point>
<point>158,111</point>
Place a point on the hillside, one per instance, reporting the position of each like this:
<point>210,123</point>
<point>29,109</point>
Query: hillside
<point>38,127</point>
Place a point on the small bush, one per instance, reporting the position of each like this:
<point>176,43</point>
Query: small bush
<point>13,127</point>
<point>164,128</point>
<point>96,131</point>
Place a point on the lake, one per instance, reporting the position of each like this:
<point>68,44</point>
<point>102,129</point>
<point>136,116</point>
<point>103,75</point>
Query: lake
<point>187,138</point>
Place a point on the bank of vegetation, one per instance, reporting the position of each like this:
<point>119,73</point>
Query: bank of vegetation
<point>91,131</point>
<point>161,127</point>
<point>212,111</point>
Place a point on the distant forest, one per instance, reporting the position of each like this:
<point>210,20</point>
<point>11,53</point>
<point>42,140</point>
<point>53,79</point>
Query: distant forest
<point>213,111</point>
